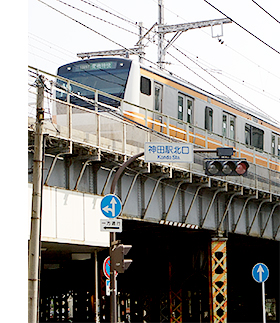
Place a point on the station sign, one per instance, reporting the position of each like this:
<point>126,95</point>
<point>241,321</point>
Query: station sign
<point>168,152</point>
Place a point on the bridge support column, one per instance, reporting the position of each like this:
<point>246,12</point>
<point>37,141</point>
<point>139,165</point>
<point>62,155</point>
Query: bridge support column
<point>218,280</point>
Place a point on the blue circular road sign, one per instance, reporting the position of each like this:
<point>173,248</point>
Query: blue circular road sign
<point>260,272</point>
<point>111,206</point>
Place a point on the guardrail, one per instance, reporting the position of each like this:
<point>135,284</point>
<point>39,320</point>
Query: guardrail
<point>118,130</point>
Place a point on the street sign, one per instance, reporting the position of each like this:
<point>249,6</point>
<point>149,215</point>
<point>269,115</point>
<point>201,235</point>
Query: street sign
<point>260,273</point>
<point>168,152</point>
<point>111,225</point>
<point>111,206</point>
<point>107,287</point>
<point>106,268</point>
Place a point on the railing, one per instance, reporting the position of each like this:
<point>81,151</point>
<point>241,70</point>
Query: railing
<point>125,129</point>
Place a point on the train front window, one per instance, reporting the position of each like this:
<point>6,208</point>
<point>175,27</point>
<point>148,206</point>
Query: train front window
<point>107,75</point>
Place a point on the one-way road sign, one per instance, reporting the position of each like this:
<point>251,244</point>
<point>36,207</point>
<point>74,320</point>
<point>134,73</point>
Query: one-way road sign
<point>111,225</point>
<point>111,206</point>
<point>260,273</point>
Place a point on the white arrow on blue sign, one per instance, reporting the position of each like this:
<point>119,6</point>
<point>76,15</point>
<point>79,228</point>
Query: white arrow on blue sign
<point>260,273</point>
<point>111,206</point>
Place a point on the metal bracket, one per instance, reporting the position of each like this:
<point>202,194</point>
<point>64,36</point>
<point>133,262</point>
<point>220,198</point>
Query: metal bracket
<point>234,226</point>
<point>211,203</point>
<point>152,196</point>
<point>268,218</point>
<point>194,198</point>
<point>257,212</point>
<point>173,198</point>
<point>227,208</point>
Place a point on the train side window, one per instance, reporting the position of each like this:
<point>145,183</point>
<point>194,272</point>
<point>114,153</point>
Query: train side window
<point>254,136</point>
<point>278,146</point>
<point>257,138</point>
<point>224,130</point>
<point>232,128</point>
<point>158,97</point>
<point>145,85</point>
<point>180,107</point>
<point>273,144</point>
<point>247,135</point>
<point>189,111</point>
<point>209,119</point>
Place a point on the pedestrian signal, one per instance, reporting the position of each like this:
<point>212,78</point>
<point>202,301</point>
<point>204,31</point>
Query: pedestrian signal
<point>118,262</point>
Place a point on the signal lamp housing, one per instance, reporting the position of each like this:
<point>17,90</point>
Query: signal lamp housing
<point>226,167</point>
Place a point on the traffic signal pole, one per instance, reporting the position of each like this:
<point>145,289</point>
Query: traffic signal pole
<point>113,242</point>
<point>113,290</point>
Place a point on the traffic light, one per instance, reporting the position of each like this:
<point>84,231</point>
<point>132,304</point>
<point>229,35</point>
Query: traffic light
<point>118,262</point>
<point>226,167</point>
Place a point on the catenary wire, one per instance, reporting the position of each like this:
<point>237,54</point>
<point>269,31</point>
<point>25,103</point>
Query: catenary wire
<point>234,50</point>
<point>242,97</point>
<point>154,63</point>
<point>249,32</point>
<point>266,11</point>
<point>235,79</point>
<point>107,11</point>
<point>95,31</point>
<point>93,16</point>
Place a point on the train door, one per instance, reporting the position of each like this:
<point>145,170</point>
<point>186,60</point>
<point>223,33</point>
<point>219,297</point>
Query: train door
<point>228,129</point>
<point>184,113</point>
<point>157,124</point>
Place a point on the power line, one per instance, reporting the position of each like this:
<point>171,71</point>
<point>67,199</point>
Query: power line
<point>249,32</point>
<point>72,54</point>
<point>91,29</point>
<point>103,20</point>
<point>266,11</point>
<point>124,19</point>
<point>250,60</point>
<point>235,79</point>
<point>214,78</point>
<point>82,24</point>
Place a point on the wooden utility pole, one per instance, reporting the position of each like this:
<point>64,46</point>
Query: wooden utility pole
<point>35,234</point>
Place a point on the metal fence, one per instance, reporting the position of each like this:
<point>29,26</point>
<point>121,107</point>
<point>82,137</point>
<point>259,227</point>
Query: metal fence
<point>107,128</point>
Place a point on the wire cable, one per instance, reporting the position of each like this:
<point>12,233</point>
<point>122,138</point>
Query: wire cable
<point>91,15</point>
<point>249,32</point>
<point>266,11</point>
<point>124,19</point>
<point>215,79</point>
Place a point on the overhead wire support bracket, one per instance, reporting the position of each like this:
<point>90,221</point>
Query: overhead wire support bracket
<point>114,52</point>
<point>164,29</point>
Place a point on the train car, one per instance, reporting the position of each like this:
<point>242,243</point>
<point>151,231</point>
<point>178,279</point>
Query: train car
<point>173,106</point>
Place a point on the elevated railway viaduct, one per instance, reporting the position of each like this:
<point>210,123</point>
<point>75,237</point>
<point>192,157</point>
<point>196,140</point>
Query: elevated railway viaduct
<point>195,238</point>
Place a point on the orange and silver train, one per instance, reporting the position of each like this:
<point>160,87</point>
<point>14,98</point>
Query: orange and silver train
<point>175,107</point>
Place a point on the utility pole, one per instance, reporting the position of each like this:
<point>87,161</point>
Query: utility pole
<point>141,53</point>
<point>161,52</point>
<point>178,29</point>
<point>35,234</point>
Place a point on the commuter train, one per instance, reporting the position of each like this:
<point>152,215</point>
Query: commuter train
<point>195,115</point>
